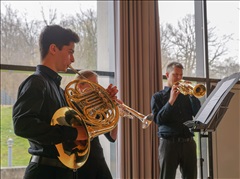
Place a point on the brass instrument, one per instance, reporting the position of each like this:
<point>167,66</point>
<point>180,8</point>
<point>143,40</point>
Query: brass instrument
<point>185,88</point>
<point>93,109</point>
<point>130,113</point>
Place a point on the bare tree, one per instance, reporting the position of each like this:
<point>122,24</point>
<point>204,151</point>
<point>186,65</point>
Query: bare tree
<point>225,68</point>
<point>10,34</point>
<point>165,46</point>
<point>51,18</point>
<point>30,31</point>
<point>19,38</point>
<point>88,34</point>
<point>19,44</point>
<point>178,43</point>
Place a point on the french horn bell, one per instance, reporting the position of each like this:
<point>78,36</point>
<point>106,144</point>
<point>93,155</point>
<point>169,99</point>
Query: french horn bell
<point>94,110</point>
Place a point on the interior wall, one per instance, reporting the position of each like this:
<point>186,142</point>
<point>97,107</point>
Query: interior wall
<point>226,141</point>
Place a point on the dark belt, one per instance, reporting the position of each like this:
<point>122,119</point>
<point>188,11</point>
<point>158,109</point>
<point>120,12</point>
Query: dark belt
<point>47,161</point>
<point>179,139</point>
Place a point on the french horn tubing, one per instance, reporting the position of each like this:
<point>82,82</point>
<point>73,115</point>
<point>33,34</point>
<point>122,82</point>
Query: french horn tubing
<point>94,110</point>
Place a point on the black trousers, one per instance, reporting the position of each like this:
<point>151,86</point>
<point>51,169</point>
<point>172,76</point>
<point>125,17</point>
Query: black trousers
<point>39,171</point>
<point>94,169</point>
<point>177,153</point>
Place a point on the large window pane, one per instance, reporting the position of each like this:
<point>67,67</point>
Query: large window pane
<point>177,31</point>
<point>223,29</point>
<point>21,22</point>
<point>183,40</point>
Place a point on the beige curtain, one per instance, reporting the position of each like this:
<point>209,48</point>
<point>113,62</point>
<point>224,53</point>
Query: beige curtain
<point>138,75</point>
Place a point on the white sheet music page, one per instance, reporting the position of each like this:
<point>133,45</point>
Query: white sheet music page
<point>215,98</point>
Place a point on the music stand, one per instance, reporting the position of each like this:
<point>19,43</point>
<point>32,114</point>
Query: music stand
<point>213,109</point>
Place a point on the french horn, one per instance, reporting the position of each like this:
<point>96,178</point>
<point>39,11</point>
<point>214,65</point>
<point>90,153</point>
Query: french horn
<point>94,110</point>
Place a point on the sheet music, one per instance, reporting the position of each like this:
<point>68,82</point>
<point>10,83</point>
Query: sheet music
<point>213,101</point>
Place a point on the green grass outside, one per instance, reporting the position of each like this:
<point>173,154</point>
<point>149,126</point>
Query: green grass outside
<point>20,156</point>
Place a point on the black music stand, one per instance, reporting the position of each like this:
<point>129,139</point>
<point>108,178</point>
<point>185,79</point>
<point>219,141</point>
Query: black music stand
<point>212,112</point>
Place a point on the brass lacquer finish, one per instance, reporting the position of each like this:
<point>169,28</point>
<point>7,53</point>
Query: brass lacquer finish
<point>71,154</point>
<point>93,102</point>
<point>185,88</point>
<point>91,107</point>
<point>128,112</point>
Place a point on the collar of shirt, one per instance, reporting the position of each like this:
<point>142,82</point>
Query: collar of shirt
<point>50,73</point>
<point>167,89</point>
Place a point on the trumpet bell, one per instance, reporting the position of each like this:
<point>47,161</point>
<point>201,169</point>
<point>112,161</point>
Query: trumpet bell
<point>186,88</point>
<point>199,90</point>
<point>147,120</point>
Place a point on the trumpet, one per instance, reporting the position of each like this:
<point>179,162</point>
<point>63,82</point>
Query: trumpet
<point>94,110</point>
<point>185,88</point>
<point>130,113</point>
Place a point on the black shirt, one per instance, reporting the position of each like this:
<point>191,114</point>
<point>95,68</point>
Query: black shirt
<point>96,151</point>
<point>169,118</point>
<point>39,97</point>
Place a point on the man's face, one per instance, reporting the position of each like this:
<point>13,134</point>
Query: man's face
<point>174,76</point>
<point>65,57</point>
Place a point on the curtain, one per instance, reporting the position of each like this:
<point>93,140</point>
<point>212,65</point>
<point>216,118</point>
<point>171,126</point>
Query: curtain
<point>138,77</point>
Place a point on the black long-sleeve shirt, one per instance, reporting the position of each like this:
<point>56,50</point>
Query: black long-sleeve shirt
<point>39,97</point>
<point>170,118</point>
<point>96,151</point>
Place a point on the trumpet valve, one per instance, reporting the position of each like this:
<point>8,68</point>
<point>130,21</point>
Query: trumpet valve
<point>124,113</point>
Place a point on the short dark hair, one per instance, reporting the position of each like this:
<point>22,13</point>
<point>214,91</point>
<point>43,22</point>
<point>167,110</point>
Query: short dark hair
<point>171,66</point>
<point>55,34</point>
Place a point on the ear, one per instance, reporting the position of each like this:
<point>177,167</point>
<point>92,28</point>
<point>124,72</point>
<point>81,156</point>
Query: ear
<point>52,48</point>
<point>167,74</point>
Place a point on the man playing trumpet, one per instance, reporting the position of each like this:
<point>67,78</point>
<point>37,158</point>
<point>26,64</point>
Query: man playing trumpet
<point>171,109</point>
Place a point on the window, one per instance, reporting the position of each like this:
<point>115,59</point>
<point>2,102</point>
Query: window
<point>182,31</point>
<point>21,22</point>
<point>224,40</point>
<point>182,38</point>
<point>177,34</point>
